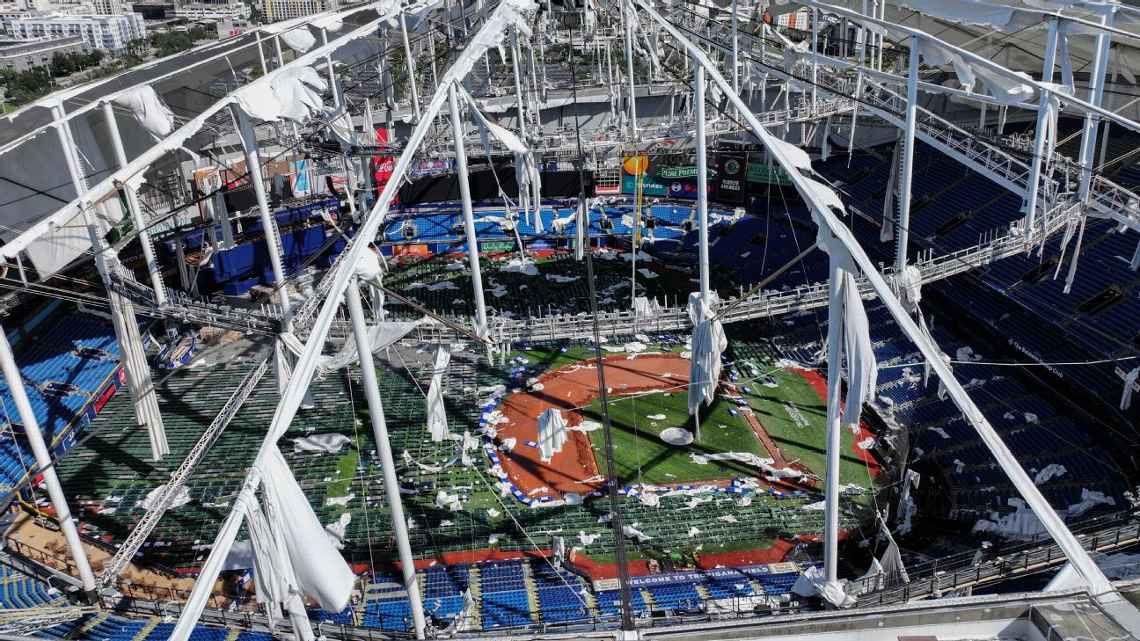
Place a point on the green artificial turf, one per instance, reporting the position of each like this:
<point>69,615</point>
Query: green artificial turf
<point>345,473</point>
<point>553,357</point>
<point>640,456</point>
<point>795,418</point>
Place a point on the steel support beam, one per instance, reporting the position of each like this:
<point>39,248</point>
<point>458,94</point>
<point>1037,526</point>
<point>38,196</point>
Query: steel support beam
<point>384,449</point>
<point>268,224</point>
<point>834,440</point>
<point>702,180</point>
<point>1034,183</point>
<point>903,231</point>
<point>135,208</point>
<point>411,65</point>
<point>44,465</point>
<point>468,213</point>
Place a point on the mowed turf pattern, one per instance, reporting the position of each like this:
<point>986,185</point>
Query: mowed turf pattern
<point>640,456</point>
<point>791,411</point>
<point>795,418</point>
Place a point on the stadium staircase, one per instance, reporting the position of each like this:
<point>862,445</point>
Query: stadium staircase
<point>475,582</point>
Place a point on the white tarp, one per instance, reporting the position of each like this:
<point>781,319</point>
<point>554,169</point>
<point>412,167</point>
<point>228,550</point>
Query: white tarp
<point>645,307</point>
<point>1003,16</point>
<point>148,109</point>
<point>181,497</point>
<point>436,412</point>
<point>1022,523</point>
<point>320,571</point>
<point>862,370</point>
<point>551,433</point>
<point>61,244</point>
<point>1050,471</point>
<point>1129,383</point>
<point>380,335</point>
<point>813,582</point>
<point>321,443</point>
<point>891,563</point>
<point>338,529</point>
<point>299,40</point>
<point>294,93</point>
<point>709,342</point>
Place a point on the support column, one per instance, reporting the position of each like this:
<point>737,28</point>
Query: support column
<point>903,232</point>
<point>629,70</point>
<point>45,466</point>
<point>411,64</point>
<point>702,179</point>
<point>384,448</point>
<point>735,52</point>
<point>135,209</point>
<point>338,103</point>
<point>261,55</point>
<point>1096,95</point>
<point>180,259</point>
<point>524,197</point>
<point>1031,193</point>
<point>882,8</point>
<point>468,213</point>
<point>834,442</point>
<point>814,54</point>
<point>280,53</point>
<point>268,224</point>
<point>133,360</point>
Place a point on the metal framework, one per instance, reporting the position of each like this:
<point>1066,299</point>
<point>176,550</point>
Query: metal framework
<point>1059,195</point>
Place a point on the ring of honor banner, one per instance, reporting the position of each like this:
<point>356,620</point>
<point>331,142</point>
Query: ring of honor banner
<point>732,176</point>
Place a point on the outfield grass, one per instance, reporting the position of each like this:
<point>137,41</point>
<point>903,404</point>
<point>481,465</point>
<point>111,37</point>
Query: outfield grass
<point>795,418</point>
<point>345,473</point>
<point>640,456</point>
<point>553,357</point>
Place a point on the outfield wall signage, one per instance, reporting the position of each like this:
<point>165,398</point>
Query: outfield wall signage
<point>730,176</point>
<point>694,576</point>
<point>768,174</point>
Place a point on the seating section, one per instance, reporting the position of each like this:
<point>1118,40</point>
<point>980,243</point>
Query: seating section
<point>681,597</point>
<point>441,225</point>
<point>18,590</point>
<point>65,365</point>
<point>522,593</point>
<point>244,265</point>
<point>562,597</point>
<point>104,627</point>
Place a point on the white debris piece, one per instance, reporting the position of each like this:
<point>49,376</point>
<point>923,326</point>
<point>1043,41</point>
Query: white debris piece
<point>337,529</point>
<point>341,501</point>
<point>321,443</point>
<point>551,433</point>
<point>1050,471</point>
<point>448,501</point>
<point>634,533</point>
<point>150,501</point>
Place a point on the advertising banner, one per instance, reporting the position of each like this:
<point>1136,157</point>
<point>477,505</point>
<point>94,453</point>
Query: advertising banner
<point>729,185</point>
<point>731,176</point>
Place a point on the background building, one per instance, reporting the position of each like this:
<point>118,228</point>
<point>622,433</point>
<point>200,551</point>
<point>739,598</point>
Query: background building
<point>20,56</point>
<point>274,10</point>
<point>107,32</point>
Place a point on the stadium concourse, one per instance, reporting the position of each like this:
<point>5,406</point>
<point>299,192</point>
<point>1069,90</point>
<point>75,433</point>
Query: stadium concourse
<point>457,319</point>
